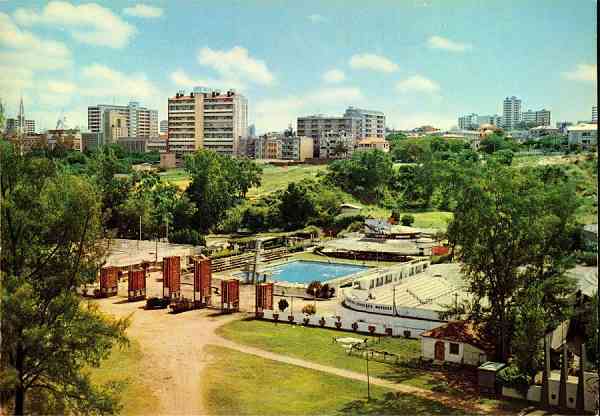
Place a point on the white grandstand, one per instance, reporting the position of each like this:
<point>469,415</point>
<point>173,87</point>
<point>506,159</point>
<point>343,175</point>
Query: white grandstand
<point>422,295</point>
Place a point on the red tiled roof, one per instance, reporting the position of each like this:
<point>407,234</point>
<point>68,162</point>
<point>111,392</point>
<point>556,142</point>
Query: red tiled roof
<point>466,332</point>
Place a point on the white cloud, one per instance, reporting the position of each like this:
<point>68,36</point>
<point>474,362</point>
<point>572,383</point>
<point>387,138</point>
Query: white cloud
<point>102,81</point>
<point>25,50</point>
<point>87,23</point>
<point>143,10</point>
<point>333,76</point>
<point>373,62</point>
<point>438,42</point>
<point>277,113</point>
<point>316,18</point>
<point>236,64</point>
<point>61,87</point>
<point>183,80</point>
<point>418,83</point>
<point>583,72</point>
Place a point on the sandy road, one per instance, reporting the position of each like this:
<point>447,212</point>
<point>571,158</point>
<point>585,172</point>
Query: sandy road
<point>174,357</point>
<point>173,351</point>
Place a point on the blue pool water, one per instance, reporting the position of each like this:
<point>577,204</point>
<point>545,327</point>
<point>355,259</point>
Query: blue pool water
<point>301,271</point>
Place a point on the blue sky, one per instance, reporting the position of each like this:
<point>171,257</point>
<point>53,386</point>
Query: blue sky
<point>421,62</point>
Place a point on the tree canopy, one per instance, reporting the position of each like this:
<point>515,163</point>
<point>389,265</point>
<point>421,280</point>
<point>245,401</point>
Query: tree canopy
<point>511,231</point>
<point>51,224</point>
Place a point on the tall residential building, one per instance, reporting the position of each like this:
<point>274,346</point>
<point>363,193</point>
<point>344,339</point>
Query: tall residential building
<point>318,126</point>
<point>207,119</point>
<point>494,120</point>
<point>511,112</point>
<point>115,126</point>
<point>468,122</point>
<point>13,125</point>
<point>372,122</point>
<point>296,148</point>
<point>536,118</point>
<point>141,121</point>
<point>164,126</point>
<point>595,114</point>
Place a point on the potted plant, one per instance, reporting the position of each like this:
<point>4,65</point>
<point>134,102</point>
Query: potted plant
<point>306,320</point>
<point>388,331</point>
<point>322,321</point>
<point>276,317</point>
<point>371,328</point>
<point>290,318</point>
<point>355,326</point>
<point>338,324</point>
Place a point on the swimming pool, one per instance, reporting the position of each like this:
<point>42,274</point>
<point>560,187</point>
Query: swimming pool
<point>302,271</point>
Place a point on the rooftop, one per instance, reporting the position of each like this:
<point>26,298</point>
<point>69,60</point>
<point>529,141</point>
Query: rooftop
<point>467,332</point>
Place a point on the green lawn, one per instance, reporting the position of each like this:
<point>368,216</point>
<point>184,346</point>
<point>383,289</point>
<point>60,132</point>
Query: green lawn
<point>123,365</point>
<point>316,344</point>
<point>276,177</point>
<point>243,384</point>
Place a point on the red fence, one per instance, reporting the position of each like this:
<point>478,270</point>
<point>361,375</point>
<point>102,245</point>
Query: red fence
<point>171,277</point>
<point>264,296</point>
<point>439,250</point>
<point>202,281</point>
<point>136,283</point>
<point>230,295</point>
<point>109,285</point>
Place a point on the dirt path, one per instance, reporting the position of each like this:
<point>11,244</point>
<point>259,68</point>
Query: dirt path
<point>174,357</point>
<point>173,351</point>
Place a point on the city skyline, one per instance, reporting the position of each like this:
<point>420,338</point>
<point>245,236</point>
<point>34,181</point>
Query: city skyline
<point>301,59</point>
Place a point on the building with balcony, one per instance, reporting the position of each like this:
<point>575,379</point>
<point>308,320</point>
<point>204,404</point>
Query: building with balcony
<point>207,119</point>
<point>511,112</point>
<point>536,118</point>
<point>140,121</point>
<point>372,123</point>
<point>297,148</point>
<point>317,126</point>
<point>336,145</point>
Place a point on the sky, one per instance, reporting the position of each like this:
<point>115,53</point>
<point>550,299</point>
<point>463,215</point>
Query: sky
<point>420,62</point>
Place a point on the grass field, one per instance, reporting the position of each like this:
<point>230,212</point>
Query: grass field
<point>275,178</point>
<point>243,384</point>
<point>316,344</point>
<point>123,365</point>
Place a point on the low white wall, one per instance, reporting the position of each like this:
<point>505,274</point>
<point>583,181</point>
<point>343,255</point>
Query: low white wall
<point>398,327</point>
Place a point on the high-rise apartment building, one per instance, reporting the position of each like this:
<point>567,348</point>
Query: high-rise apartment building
<point>536,118</point>
<point>164,126</point>
<point>318,126</point>
<point>13,125</point>
<point>468,122</point>
<point>372,122</point>
<point>141,122</point>
<point>115,126</point>
<point>494,120</point>
<point>207,119</point>
<point>595,114</point>
<point>511,112</point>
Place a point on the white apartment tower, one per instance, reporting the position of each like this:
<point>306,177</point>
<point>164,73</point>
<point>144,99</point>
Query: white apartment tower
<point>595,114</point>
<point>207,119</point>
<point>372,122</point>
<point>141,121</point>
<point>511,112</point>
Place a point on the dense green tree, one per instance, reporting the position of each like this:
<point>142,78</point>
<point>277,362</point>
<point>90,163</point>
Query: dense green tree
<point>509,231</point>
<point>51,224</point>
<point>407,220</point>
<point>363,174</point>
<point>218,183</point>
<point>530,327</point>
<point>297,206</point>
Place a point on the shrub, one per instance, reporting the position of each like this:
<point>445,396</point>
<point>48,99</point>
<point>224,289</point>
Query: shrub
<point>588,258</point>
<point>309,309</point>
<point>187,236</point>
<point>512,377</point>
<point>407,220</point>
<point>283,305</point>
<point>444,258</point>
